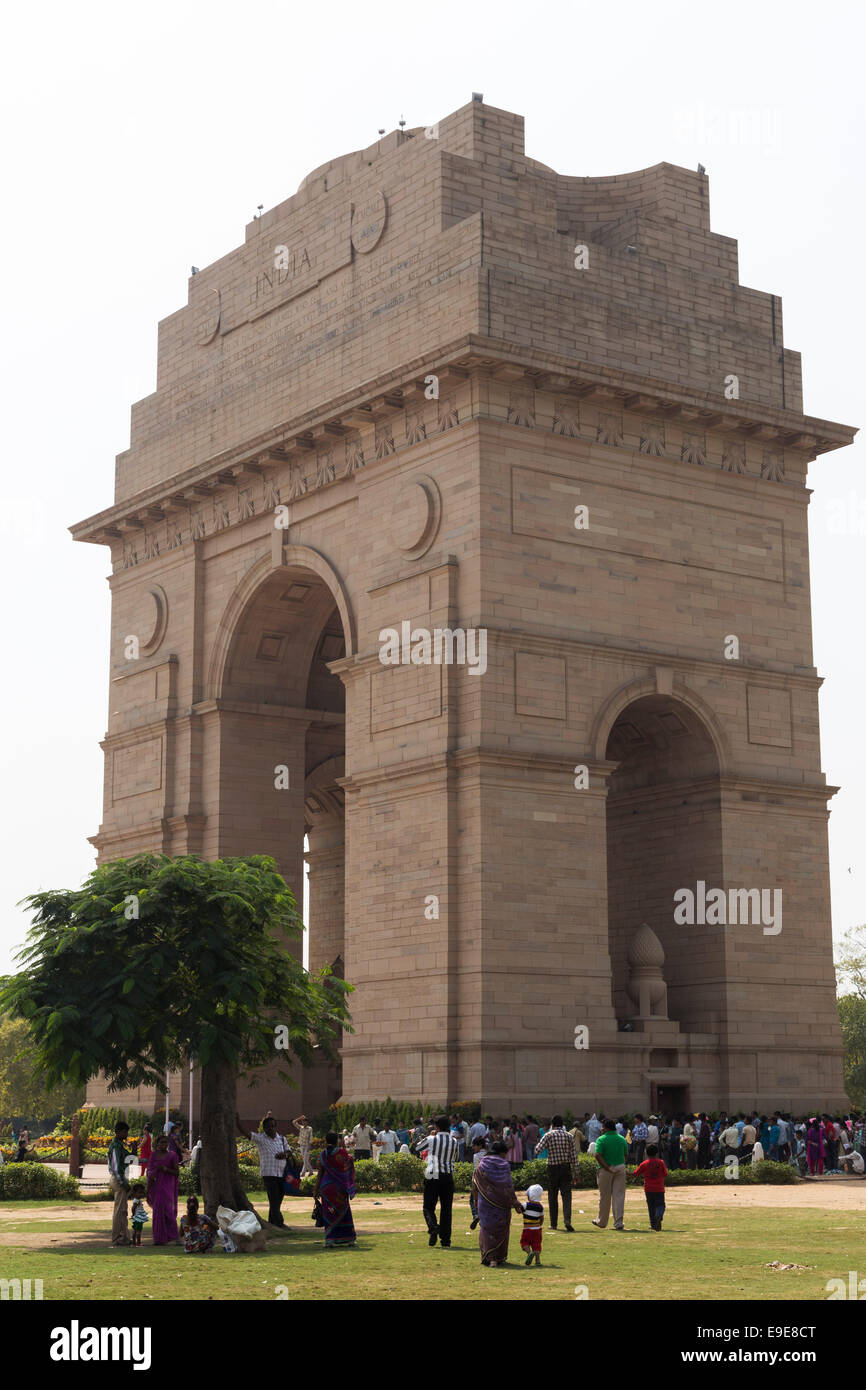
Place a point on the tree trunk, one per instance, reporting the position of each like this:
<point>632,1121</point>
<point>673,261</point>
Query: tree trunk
<point>220,1179</point>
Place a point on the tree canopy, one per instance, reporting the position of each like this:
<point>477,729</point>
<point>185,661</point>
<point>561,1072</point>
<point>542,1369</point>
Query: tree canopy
<point>851,978</point>
<point>154,961</point>
<point>22,1095</point>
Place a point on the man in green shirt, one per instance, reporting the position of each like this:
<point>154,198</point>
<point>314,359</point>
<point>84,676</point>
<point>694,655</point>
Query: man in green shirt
<point>119,1182</point>
<point>610,1152</point>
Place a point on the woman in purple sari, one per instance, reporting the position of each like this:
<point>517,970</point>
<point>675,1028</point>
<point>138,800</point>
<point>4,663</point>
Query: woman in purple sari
<point>815,1146</point>
<point>162,1184</point>
<point>335,1185</point>
<point>495,1200</point>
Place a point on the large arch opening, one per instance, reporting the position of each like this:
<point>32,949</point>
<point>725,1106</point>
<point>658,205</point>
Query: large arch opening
<point>282,707</point>
<point>664,832</point>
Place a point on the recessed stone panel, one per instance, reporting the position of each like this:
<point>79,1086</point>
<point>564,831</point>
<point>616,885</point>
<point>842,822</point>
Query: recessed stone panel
<point>401,695</point>
<point>769,716</point>
<point>136,769</point>
<point>650,524</point>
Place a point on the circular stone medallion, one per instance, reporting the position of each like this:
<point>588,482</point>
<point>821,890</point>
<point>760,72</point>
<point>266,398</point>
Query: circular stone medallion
<point>368,222</point>
<point>208,325</point>
<point>417,515</point>
<point>156,604</point>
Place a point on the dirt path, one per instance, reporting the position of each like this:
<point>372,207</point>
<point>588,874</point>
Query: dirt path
<point>839,1195</point>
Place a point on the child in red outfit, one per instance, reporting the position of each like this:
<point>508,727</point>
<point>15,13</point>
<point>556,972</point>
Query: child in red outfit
<point>533,1222</point>
<point>653,1172</point>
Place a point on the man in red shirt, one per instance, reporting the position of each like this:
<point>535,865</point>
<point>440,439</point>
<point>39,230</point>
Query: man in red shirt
<point>653,1172</point>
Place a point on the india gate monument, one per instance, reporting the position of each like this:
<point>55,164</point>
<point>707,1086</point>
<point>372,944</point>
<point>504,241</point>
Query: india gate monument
<point>465,535</point>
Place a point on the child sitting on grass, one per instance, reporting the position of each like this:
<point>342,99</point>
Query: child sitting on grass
<point>653,1172</point>
<point>533,1223</point>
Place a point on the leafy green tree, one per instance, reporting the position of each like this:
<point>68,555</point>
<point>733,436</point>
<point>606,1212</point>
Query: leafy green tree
<point>851,979</point>
<point>23,1095</point>
<point>154,961</point>
<point>852,1016</point>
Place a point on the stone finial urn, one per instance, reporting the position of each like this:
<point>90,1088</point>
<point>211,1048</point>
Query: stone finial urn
<point>646,984</point>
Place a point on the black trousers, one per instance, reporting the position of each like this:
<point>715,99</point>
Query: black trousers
<point>275,1191</point>
<point>559,1176</point>
<point>439,1190</point>
<point>656,1206</point>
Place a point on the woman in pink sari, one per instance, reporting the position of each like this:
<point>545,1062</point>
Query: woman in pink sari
<point>513,1143</point>
<point>162,1184</point>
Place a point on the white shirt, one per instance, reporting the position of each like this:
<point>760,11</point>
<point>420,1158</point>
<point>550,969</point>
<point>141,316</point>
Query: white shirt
<point>363,1136</point>
<point>652,1134</point>
<point>387,1140</point>
<point>269,1165</point>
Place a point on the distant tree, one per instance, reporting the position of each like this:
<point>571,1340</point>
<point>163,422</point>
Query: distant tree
<point>22,1094</point>
<point>851,962</point>
<point>155,961</point>
<point>851,980</point>
<point>852,1016</point>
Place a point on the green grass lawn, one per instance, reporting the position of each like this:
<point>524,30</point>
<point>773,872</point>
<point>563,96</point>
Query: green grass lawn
<point>705,1252</point>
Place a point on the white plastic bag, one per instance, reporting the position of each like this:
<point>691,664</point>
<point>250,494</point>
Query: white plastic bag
<point>243,1225</point>
<point>225,1216</point>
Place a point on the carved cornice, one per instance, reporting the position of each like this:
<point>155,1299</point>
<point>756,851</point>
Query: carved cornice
<point>329,447</point>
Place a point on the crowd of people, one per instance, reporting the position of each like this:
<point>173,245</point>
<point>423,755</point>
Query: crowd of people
<point>160,1158</point>
<point>654,1145</point>
<point>814,1144</point>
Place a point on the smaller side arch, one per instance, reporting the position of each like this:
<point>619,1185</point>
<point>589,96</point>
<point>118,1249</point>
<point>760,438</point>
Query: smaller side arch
<point>626,694</point>
<point>293,557</point>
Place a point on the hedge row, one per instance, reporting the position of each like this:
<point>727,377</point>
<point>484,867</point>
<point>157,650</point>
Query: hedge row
<point>393,1173</point>
<point>405,1173</point>
<point>19,1181</point>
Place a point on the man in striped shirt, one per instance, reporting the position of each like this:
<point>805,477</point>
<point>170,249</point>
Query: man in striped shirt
<point>440,1150</point>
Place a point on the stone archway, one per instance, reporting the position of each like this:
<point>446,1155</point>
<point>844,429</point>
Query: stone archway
<point>664,832</point>
<point>275,739</point>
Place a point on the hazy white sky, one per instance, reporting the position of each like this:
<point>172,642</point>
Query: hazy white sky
<point>139,140</point>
